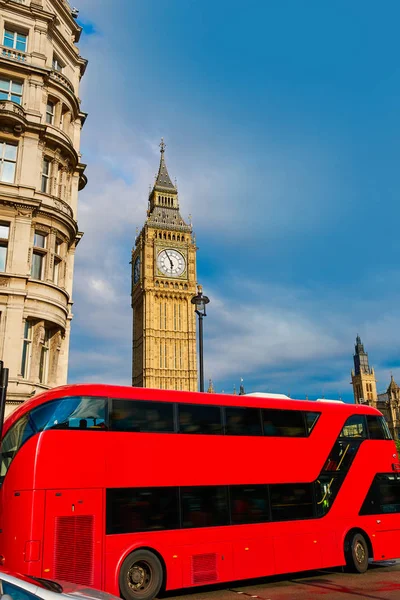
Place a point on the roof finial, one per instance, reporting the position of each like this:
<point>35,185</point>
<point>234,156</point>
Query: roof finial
<point>162,146</point>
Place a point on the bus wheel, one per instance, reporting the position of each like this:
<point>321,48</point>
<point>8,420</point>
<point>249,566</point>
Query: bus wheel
<point>141,576</point>
<point>356,553</point>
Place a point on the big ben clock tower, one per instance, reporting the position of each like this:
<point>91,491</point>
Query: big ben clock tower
<point>163,283</point>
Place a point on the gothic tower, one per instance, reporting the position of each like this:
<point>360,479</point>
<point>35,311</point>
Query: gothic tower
<point>41,174</point>
<point>163,283</point>
<point>363,377</point>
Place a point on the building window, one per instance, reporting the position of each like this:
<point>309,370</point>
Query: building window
<point>39,255</point>
<point>45,175</point>
<point>8,160</point>
<point>11,90</point>
<point>50,112</point>
<point>15,40</point>
<point>26,350</point>
<point>44,356</point>
<point>57,64</point>
<point>57,262</point>
<point>4,233</point>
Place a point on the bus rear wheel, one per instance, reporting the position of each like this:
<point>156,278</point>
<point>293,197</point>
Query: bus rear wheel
<point>141,576</point>
<point>356,553</point>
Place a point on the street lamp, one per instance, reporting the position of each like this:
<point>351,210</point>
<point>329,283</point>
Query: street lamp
<point>200,301</point>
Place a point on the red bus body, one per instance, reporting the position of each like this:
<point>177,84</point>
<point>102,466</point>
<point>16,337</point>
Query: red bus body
<point>61,473</point>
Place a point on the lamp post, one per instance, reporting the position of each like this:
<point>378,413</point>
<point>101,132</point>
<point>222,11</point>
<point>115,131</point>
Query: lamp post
<point>200,302</point>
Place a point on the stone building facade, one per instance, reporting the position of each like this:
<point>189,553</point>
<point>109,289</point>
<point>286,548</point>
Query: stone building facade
<point>163,284</point>
<point>40,175</point>
<point>365,390</point>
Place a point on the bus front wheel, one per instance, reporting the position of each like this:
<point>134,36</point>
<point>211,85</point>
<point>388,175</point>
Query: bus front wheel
<point>356,553</point>
<point>141,576</point>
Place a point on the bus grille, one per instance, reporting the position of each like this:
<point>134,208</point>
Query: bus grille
<point>204,568</point>
<point>73,556</point>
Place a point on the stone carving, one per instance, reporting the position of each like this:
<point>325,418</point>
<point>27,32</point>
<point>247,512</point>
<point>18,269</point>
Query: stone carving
<point>3,281</point>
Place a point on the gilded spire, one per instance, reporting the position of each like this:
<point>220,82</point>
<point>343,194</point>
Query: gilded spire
<point>163,180</point>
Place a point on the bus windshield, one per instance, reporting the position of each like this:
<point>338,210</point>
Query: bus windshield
<point>66,413</point>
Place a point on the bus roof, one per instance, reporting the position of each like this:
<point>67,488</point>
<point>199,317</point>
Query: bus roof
<point>136,393</point>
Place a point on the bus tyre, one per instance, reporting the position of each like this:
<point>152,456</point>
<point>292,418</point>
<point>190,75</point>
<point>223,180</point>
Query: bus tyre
<point>141,576</point>
<point>356,553</point>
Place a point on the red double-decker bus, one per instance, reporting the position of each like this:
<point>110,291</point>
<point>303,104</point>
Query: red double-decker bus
<point>135,490</point>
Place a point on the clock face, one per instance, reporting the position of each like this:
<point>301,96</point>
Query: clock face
<point>136,270</point>
<point>171,262</point>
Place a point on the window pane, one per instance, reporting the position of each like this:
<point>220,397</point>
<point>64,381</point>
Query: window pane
<point>249,504</point>
<point>16,592</point>
<point>243,421</point>
<point>141,509</point>
<point>383,496</point>
<point>80,412</point>
<point>354,427</point>
<point>326,489</point>
<point>16,99</point>
<point>287,423</point>
<point>311,419</point>
<point>7,172</point>
<point>374,428</point>
<point>3,95</point>
<point>39,240</point>
<point>136,415</point>
<point>204,506</point>
<point>342,455</point>
<point>16,87</point>
<point>3,258</point>
<point>10,152</point>
<point>37,263</point>
<point>4,229</point>
<point>46,164</point>
<point>56,272</point>
<point>44,184</point>
<point>24,362</point>
<point>291,501</point>
<point>8,40</point>
<point>195,418</point>
<point>5,84</point>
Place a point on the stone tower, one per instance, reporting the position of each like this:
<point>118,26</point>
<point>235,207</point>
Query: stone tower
<point>363,377</point>
<point>40,175</point>
<point>163,283</point>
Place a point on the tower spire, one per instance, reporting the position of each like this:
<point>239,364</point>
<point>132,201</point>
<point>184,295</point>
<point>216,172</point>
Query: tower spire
<point>163,181</point>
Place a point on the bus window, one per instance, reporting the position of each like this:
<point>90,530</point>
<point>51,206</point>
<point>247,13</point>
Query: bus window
<point>341,456</point>
<point>383,496</point>
<point>311,419</point>
<point>249,504</point>
<point>243,421</point>
<point>65,413</point>
<point>204,506</point>
<point>292,501</point>
<point>283,423</point>
<point>326,489</point>
<point>354,427</point>
<point>141,509</point>
<point>137,415</point>
<point>196,418</point>
<point>77,413</point>
<point>377,428</point>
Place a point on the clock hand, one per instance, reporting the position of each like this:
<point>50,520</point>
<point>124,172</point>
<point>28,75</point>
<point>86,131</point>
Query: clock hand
<point>172,264</point>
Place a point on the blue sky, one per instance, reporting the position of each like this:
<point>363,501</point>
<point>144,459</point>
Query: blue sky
<point>282,127</point>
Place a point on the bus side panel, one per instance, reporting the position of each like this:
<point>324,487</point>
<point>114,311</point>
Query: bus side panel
<point>294,552</point>
<point>253,558</point>
<point>22,531</point>
<point>73,536</point>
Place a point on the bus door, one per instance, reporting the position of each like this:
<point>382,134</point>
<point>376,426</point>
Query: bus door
<point>73,533</point>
